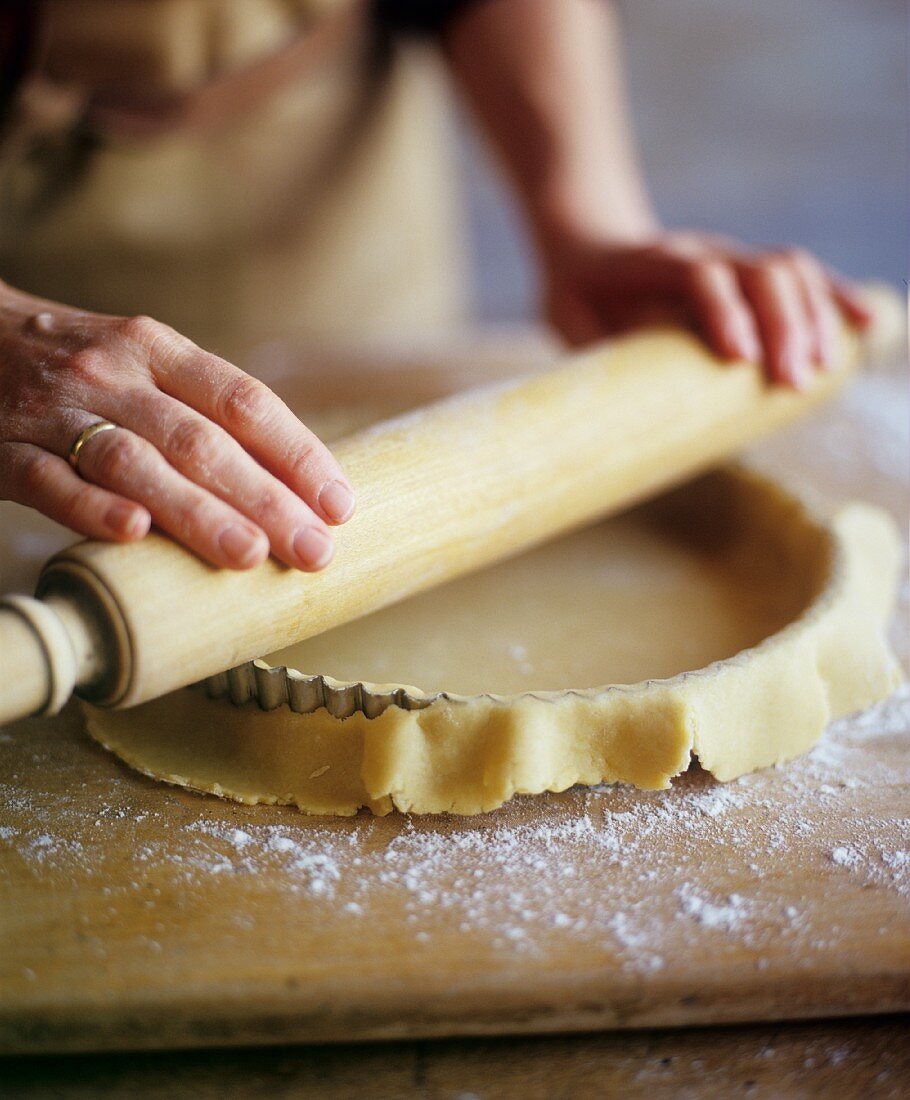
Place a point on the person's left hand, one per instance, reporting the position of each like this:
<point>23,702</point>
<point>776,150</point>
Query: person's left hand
<point>781,308</point>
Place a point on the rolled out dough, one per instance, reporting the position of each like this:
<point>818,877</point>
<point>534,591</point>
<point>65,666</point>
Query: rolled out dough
<point>780,614</point>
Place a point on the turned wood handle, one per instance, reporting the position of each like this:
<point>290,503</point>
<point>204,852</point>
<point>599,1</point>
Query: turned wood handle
<point>441,491</point>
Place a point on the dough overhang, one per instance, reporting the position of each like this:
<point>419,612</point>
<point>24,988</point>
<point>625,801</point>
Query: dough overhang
<point>789,633</point>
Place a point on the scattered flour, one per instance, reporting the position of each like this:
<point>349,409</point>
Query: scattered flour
<point>731,914</point>
<point>519,655</point>
<point>527,881</point>
<point>879,405</point>
<point>868,431</point>
<point>513,879</point>
<point>844,857</point>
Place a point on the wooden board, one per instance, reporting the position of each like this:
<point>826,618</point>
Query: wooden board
<point>867,1056</point>
<point>135,915</point>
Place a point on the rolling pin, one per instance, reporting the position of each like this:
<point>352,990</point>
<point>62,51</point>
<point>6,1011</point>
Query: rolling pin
<point>442,490</point>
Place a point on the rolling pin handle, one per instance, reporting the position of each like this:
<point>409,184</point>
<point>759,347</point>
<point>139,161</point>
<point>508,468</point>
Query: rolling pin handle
<point>38,655</point>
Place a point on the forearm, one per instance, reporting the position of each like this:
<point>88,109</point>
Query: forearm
<point>545,81</point>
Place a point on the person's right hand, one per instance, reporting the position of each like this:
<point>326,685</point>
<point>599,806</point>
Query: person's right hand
<point>202,450</point>
<point>781,308</point>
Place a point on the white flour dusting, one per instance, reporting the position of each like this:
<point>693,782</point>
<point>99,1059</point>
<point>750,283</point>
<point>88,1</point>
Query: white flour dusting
<point>518,883</point>
<point>880,406</point>
<point>523,882</point>
<point>868,431</point>
<point>731,913</point>
<point>844,857</point>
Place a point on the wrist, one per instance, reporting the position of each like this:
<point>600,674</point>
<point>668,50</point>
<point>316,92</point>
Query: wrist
<point>567,213</point>
<point>11,298</point>
<point>568,217</point>
<point>9,304</point>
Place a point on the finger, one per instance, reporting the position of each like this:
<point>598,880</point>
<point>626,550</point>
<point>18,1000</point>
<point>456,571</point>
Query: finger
<point>123,463</point>
<point>264,426</point>
<point>771,288</point>
<point>819,306</point>
<point>627,315</point>
<point>208,456</point>
<point>850,301</point>
<point>46,482</point>
<point>722,311</point>
<point>575,320</point>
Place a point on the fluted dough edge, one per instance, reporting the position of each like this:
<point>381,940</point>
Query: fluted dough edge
<point>468,755</point>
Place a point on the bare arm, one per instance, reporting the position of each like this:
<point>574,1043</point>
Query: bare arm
<point>545,81</point>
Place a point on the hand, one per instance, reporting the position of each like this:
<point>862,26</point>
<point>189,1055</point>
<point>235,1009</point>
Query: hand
<point>777,307</point>
<point>202,450</point>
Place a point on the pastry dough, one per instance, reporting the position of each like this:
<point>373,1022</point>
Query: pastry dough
<point>781,613</point>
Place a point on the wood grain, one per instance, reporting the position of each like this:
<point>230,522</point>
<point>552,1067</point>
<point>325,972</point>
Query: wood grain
<point>841,1059</point>
<point>462,483</point>
<point>118,946</point>
<point>131,919</point>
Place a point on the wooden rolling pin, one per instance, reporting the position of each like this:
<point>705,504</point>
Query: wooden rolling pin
<point>441,491</point>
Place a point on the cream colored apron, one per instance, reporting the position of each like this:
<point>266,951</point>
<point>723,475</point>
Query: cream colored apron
<point>323,211</point>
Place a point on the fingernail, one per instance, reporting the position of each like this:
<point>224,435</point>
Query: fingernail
<point>793,366</point>
<point>128,520</point>
<point>828,352</point>
<point>240,544</point>
<point>313,547</point>
<point>802,375</point>
<point>336,500</point>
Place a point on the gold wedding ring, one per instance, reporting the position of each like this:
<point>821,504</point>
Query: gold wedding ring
<point>84,436</point>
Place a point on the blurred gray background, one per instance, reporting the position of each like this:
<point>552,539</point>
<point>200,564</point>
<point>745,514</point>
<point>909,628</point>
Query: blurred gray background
<point>776,121</point>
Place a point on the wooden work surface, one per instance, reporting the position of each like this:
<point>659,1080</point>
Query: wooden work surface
<point>852,1059</point>
<point>136,915</point>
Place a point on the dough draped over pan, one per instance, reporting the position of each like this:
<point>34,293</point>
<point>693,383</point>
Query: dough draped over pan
<point>466,754</point>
